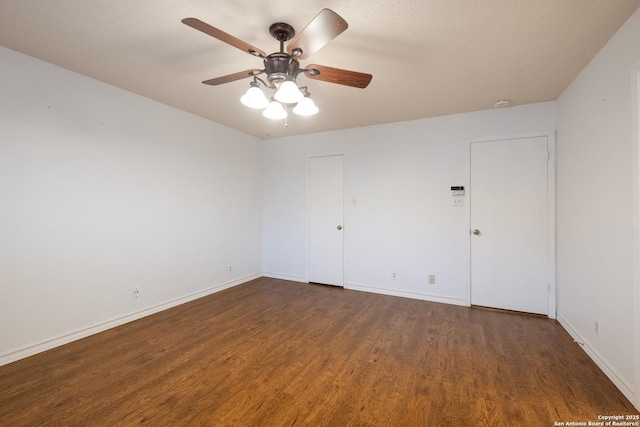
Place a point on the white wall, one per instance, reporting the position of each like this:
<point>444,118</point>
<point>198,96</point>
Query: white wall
<point>596,140</point>
<point>400,175</point>
<point>102,191</point>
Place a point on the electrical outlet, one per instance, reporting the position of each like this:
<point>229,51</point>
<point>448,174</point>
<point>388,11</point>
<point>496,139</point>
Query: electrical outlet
<point>230,269</point>
<point>596,326</point>
<point>394,275</point>
<point>135,293</point>
<point>457,201</point>
<point>432,279</point>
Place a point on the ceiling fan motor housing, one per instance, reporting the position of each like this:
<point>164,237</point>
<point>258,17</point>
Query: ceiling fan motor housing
<point>279,66</point>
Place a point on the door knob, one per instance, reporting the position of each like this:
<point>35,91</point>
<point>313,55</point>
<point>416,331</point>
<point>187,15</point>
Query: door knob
<point>476,232</point>
<point>339,227</point>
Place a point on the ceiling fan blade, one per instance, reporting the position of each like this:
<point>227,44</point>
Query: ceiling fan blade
<point>233,77</point>
<point>337,75</point>
<point>320,31</point>
<point>222,36</point>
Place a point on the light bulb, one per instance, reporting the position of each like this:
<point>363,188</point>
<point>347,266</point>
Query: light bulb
<point>275,111</point>
<point>254,98</point>
<point>288,93</point>
<point>306,107</point>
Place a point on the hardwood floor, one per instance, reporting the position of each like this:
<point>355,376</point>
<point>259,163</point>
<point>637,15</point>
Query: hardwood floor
<point>277,353</point>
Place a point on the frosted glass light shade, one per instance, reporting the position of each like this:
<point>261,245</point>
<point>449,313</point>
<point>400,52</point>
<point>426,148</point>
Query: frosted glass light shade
<point>288,93</point>
<point>254,98</point>
<point>306,107</point>
<point>275,111</point>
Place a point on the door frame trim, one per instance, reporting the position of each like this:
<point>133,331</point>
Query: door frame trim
<point>636,226</point>
<point>551,213</point>
<point>344,216</point>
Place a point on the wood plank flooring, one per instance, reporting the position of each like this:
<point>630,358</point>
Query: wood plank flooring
<point>277,353</point>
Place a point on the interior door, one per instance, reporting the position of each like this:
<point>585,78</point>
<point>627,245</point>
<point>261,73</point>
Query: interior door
<point>325,220</point>
<point>509,224</point>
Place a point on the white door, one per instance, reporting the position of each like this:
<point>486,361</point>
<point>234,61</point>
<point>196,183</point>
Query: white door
<point>509,225</point>
<point>325,219</point>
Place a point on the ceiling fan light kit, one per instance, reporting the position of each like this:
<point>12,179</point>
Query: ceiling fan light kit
<point>282,68</point>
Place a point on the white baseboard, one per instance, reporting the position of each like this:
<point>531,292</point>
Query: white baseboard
<point>103,326</point>
<point>404,294</point>
<point>284,277</point>
<point>609,371</point>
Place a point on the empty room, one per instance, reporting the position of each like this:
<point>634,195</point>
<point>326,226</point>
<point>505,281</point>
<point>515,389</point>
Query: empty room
<point>363,213</point>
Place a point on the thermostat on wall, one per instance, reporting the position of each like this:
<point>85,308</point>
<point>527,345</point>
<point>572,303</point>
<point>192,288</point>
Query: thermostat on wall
<point>457,191</point>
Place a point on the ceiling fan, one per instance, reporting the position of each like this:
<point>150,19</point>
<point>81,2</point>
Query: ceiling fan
<point>282,68</point>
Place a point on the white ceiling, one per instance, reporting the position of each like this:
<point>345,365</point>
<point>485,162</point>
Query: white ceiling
<point>428,57</point>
